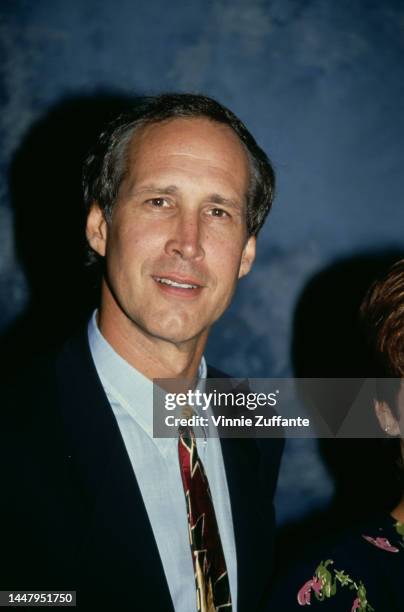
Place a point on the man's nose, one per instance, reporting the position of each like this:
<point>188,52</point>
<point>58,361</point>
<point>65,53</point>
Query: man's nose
<point>185,240</point>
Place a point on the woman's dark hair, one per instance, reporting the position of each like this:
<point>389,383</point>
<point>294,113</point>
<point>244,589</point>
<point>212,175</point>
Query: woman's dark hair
<point>107,163</point>
<point>382,313</point>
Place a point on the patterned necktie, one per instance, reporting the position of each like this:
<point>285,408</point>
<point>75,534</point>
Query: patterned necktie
<point>211,578</point>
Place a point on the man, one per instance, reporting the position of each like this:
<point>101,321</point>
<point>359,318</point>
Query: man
<point>176,193</point>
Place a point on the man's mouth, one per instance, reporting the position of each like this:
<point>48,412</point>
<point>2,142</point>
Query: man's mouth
<point>186,284</point>
<point>168,281</point>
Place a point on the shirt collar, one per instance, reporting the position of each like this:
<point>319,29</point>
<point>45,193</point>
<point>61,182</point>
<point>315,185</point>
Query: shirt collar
<point>128,386</point>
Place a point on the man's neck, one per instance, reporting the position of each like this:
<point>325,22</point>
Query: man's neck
<point>153,357</point>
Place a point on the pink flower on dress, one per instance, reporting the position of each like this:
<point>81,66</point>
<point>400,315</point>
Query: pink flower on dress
<point>356,605</point>
<point>304,595</point>
<point>382,543</point>
<point>317,585</point>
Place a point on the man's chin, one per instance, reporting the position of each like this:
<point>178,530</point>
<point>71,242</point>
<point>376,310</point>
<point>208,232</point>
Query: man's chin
<point>179,335</point>
<point>178,339</point>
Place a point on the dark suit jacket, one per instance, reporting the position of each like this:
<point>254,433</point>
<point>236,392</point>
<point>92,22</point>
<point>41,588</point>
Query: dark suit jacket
<point>72,516</point>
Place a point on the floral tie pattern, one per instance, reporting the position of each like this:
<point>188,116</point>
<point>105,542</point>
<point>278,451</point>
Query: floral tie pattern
<point>211,578</point>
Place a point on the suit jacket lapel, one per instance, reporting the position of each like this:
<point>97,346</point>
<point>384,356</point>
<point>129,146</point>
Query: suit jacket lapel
<point>253,515</point>
<point>252,519</point>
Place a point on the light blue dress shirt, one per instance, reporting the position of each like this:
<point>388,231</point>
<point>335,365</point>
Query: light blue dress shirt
<point>156,467</point>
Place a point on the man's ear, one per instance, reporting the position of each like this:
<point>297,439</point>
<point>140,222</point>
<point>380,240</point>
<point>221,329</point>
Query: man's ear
<point>387,420</point>
<point>96,229</point>
<point>248,256</point>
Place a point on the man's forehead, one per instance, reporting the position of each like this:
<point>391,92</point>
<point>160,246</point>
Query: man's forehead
<point>193,136</point>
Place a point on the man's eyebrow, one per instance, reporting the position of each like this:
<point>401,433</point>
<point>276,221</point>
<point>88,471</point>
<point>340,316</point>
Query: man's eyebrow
<point>170,189</point>
<point>216,198</point>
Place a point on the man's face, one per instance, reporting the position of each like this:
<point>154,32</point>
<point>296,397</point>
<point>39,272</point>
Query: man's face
<point>177,241</point>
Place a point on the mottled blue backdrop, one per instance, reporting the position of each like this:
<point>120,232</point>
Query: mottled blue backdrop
<point>320,84</point>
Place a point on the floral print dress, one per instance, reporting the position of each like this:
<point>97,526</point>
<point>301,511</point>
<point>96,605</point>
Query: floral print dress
<point>329,579</point>
<point>363,572</point>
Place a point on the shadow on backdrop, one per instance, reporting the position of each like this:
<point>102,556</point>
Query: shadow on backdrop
<point>49,221</point>
<point>328,343</point>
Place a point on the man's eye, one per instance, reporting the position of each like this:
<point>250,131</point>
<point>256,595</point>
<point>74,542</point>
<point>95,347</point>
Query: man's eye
<point>157,202</point>
<point>219,212</point>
